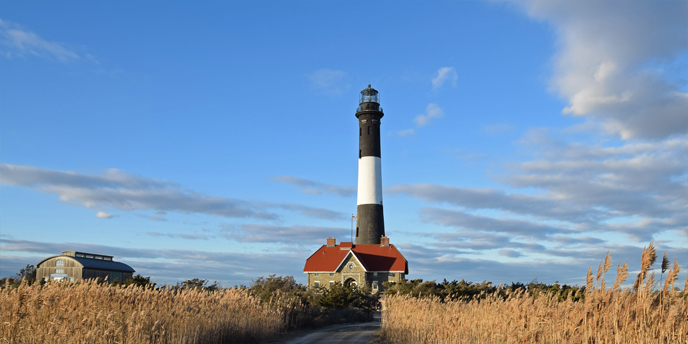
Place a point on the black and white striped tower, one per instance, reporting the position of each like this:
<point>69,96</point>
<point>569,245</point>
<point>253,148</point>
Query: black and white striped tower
<point>370,223</point>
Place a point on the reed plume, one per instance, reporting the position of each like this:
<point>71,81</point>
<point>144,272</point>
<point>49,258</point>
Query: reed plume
<point>665,266</point>
<point>621,275</point>
<point>589,280</point>
<point>671,277</point>
<point>647,259</point>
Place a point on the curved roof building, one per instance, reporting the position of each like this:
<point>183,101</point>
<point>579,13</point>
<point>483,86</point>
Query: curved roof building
<point>75,266</point>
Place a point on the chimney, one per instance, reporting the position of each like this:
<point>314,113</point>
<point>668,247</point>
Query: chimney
<point>331,242</point>
<point>384,241</point>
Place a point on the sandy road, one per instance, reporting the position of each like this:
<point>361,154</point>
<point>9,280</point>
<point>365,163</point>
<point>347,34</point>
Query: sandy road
<point>359,333</point>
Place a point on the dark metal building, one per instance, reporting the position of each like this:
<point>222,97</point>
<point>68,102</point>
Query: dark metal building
<point>75,266</point>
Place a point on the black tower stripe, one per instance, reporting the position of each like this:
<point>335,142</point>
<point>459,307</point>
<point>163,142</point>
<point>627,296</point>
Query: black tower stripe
<point>369,129</point>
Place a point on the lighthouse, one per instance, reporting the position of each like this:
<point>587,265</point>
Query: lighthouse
<point>370,222</point>
<point>371,260</point>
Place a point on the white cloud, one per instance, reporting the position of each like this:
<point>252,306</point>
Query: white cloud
<point>102,215</point>
<point>432,111</point>
<point>444,75</point>
<point>617,65</point>
<point>195,236</point>
<point>541,206</point>
<point>498,128</point>
<point>294,235</point>
<point>20,42</point>
<point>329,81</point>
<point>636,189</point>
<point>316,188</point>
<point>312,212</point>
<point>407,132</point>
<point>510,253</point>
<point>126,192</point>
<point>466,221</point>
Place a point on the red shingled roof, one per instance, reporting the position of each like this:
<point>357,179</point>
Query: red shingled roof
<point>373,258</point>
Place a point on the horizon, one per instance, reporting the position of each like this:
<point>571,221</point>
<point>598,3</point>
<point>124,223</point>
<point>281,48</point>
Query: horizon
<point>521,140</point>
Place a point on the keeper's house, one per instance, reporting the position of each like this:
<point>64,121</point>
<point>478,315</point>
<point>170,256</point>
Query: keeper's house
<point>356,265</point>
<point>75,266</point>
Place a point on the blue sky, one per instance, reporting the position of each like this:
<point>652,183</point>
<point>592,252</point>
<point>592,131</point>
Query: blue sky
<point>521,139</point>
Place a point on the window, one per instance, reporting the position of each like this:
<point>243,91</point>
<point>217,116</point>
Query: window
<point>331,273</point>
<point>351,266</point>
<point>391,274</point>
<point>357,231</point>
<point>59,262</point>
<point>402,276</point>
<point>89,256</point>
<point>316,274</point>
<point>360,153</point>
<point>374,285</point>
<point>80,255</point>
<point>59,271</point>
<point>374,273</point>
<point>107,258</point>
<point>316,283</point>
<point>331,283</point>
<point>99,257</point>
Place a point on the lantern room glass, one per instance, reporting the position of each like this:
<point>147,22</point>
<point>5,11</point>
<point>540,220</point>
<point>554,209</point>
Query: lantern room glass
<point>369,95</point>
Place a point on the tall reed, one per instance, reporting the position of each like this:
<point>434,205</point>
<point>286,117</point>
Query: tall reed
<point>638,315</point>
<point>92,313</point>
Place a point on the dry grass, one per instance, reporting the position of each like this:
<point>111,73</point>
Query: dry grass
<point>641,315</point>
<point>92,313</point>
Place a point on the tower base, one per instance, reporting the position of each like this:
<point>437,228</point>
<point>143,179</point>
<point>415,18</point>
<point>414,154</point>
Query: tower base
<point>370,224</point>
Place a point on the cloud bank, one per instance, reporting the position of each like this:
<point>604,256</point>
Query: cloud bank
<point>316,188</point>
<point>621,67</point>
<point>117,189</point>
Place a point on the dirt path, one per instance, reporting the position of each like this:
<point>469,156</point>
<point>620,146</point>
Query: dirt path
<point>359,333</point>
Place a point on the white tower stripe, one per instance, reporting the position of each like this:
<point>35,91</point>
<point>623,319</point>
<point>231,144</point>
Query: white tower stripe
<point>369,180</point>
